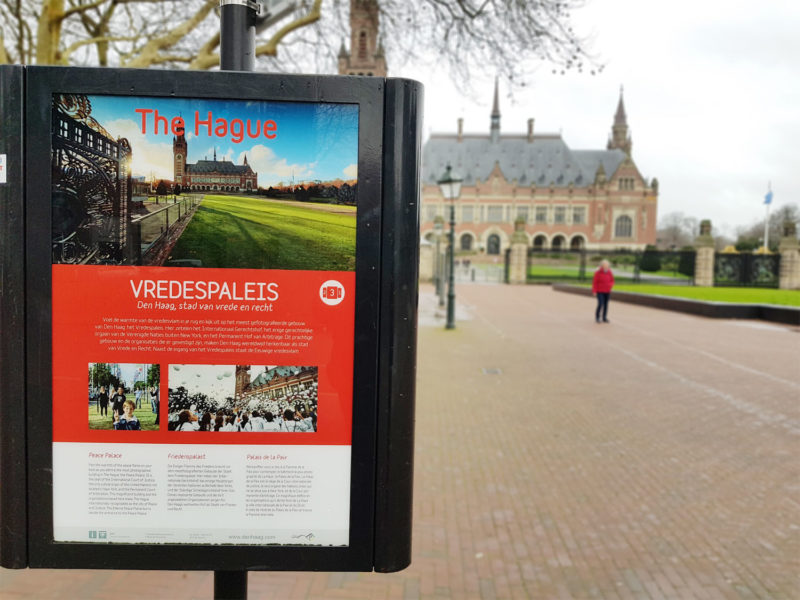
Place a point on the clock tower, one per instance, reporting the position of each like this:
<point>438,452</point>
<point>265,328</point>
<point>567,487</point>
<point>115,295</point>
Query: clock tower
<point>179,147</point>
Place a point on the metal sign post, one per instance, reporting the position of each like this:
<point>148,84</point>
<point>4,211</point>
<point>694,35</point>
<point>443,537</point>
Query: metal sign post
<point>237,23</point>
<point>239,20</point>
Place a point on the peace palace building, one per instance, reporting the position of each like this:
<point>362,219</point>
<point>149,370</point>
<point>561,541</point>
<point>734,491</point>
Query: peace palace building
<point>594,199</point>
<point>213,175</point>
<point>274,383</point>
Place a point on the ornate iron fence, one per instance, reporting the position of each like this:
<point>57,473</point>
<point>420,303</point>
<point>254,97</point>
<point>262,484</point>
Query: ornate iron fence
<point>651,266</point>
<point>746,270</point>
<point>148,231</point>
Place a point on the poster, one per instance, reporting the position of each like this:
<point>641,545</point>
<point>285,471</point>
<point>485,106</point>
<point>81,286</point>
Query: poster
<point>203,285</point>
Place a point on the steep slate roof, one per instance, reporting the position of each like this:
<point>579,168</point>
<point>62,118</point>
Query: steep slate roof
<point>545,160</point>
<point>216,166</point>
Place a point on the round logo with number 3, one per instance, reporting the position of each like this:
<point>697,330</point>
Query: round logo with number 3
<point>331,292</point>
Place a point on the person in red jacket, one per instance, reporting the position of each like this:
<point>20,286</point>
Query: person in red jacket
<point>602,283</point>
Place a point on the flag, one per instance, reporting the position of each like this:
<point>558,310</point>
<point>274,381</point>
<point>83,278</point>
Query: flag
<point>768,198</point>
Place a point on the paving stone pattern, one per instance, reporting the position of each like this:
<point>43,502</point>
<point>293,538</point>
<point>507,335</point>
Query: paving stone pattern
<point>653,457</point>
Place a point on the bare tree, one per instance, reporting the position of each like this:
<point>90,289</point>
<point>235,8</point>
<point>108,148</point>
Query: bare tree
<point>752,236</point>
<point>468,36</point>
<point>676,230</point>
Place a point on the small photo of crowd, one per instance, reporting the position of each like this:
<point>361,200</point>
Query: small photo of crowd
<point>124,396</point>
<point>243,398</point>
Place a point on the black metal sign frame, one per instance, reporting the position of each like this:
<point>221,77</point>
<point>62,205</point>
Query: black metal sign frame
<point>383,386</point>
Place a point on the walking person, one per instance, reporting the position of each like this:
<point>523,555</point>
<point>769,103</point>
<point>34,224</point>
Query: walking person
<point>117,402</point>
<point>102,400</point>
<point>154,402</point>
<point>602,282</point>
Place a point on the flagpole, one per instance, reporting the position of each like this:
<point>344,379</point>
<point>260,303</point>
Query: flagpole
<point>768,202</point>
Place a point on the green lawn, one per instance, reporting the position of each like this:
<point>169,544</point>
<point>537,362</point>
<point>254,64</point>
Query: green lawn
<point>572,272</point>
<point>717,294</point>
<point>556,272</point>
<point>258,233</point>
<point>146,416</point>
<point>673,274</point>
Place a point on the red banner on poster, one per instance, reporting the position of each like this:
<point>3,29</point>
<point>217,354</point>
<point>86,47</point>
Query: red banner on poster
<point>234,343</point>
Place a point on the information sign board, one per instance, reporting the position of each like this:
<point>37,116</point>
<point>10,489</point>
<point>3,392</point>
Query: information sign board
<point>209,257</point>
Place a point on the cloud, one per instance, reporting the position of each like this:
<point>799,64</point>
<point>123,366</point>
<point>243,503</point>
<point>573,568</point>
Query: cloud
<point>351,171</point>
<point>148,158</point>
<point>273,170</point>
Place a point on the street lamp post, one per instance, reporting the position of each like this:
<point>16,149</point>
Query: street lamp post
<point>450,186</point>
<point>438,228</point>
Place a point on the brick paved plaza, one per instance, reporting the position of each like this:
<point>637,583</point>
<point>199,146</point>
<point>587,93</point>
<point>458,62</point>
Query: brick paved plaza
<point>654,457</point>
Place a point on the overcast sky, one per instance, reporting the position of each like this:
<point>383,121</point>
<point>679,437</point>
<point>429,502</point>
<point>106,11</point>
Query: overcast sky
<point>712,94</point>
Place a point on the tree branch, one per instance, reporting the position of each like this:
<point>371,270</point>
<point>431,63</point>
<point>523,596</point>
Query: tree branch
<point>81,8</point>
<point>206,58</point>
<point>4,60</point>
<point>271,47</point>
<point>170,58</point>
<point>95,40</point>
<point>151,49</point>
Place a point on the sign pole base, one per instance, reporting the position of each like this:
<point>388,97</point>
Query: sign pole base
<point>230,585</point>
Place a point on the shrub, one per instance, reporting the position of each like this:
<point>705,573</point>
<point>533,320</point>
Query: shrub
<point>651,260</point>
<point>686,262</point>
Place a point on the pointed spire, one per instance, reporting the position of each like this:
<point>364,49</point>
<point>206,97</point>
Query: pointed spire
<point>215,154</point>
<point>496,105</point>
<point>245,160</point>
<point>620,137</point>
<point>495,129</point>
<point>343,51</point>
<point>620,118</point>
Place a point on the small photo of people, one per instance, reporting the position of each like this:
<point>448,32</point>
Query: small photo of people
<point>243,398</point>
<point>124,396</point>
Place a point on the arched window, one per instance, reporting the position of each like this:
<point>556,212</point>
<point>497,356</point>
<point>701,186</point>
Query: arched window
<point>558,242</point>
<point>539,242</point>
<point>623,227</point>
<point>576,243</point>
<point>493,244</point>
<point>466,242</point>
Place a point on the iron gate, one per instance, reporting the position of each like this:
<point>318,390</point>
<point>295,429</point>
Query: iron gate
<point>91,186</point>
<point>747,270</point>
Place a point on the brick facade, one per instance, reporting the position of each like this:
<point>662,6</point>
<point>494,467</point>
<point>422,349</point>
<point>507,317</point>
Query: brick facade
<point>567,198</point>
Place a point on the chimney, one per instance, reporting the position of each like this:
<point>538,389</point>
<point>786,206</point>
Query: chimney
<point>530,131</point>
<point>460,130</point>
